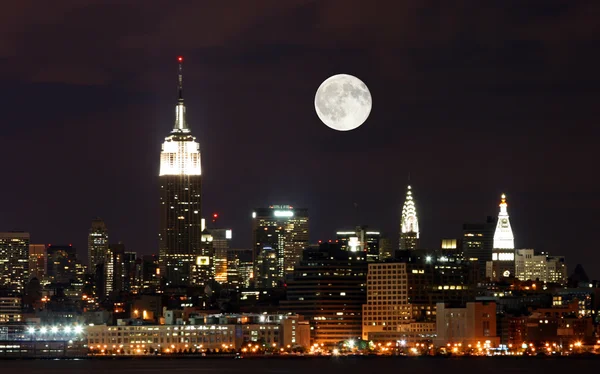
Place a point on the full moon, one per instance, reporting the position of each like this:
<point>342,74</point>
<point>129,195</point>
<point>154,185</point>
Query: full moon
<point>343,102</point>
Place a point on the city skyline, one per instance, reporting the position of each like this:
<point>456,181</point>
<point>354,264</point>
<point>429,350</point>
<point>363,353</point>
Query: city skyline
<point>88,148</point>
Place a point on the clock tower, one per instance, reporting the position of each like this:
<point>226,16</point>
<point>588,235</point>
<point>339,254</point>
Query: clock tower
<point>503,237</point>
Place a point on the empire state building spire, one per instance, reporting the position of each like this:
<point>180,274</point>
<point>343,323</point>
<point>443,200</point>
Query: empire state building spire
<point>180,122</point>
<point>503,237</point>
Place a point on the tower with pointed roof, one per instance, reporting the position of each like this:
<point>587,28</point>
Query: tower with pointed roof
<point>409,223</point>
<point>503,237</point>
<point>180,198</point>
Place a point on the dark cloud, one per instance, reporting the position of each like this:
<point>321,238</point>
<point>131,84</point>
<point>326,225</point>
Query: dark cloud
<point>471,98</point>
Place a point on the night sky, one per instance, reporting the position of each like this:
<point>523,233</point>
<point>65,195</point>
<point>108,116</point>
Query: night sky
<point>470,98</point>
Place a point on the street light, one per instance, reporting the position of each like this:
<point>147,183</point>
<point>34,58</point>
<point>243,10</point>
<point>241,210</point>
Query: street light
<point>54,329</point>
<point>31,330</point>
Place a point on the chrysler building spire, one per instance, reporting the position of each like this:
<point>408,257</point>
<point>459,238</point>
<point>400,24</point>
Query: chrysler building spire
<point>409,224</point>
<point>180,122</point>
<point>503,237</point>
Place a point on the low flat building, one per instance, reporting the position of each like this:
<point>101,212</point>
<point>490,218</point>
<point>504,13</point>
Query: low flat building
<point>274,331</point>
<point>473,325</point>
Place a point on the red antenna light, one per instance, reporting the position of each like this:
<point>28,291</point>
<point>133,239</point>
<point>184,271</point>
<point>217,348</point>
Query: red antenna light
<point>180,59</point>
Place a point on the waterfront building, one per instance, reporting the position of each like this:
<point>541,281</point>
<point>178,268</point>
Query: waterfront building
<point>280,234</point>
<point>471,326</point>
<point>409,223</point>
<point>11,307</point>
<point>214,332</point>
<point>180,199</point>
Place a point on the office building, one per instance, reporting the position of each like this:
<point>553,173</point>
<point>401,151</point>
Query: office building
<point>203,269</point>
<point>61,263</point>
<point>404,293</point>
<point>14,260</point>
<point>409,224</point>
<point>539,266</point>
<point>360,241</point>
<point>129,272</point>
<point>11,308</point>
<point>386,251</point>
<point>471,326</point>
<point>477,243</point>
<point>180,199</point>
<point>328,288</point>
<point>221,243</point>
<point>113,268</point>
<point>149,274</point>
<point>240,268</point>
<point>280,234</point>
<point>97,244</point>
<point>37,261</point>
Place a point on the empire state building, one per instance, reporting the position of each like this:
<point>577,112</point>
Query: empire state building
<point>180,199</point>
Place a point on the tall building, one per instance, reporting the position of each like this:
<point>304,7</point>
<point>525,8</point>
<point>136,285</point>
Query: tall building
<point>409,224</point>
<point>221,243</point>
<point>240,268</point>
<point>361,241</point>
<point>37,261</point>
<point>402,293</point>
<point>503,253</point>
<point>478,242</point>
<point>113,268</point>
<point>280,234</point>
<point>328,288</point>
<point>180,198</point>
<point>97,244</point>
<point>503,237</point>
<point>14,260</point>
<point>61,263</point>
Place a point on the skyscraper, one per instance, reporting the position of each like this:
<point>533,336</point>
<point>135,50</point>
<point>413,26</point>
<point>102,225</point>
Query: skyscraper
<point>97,244</point>
<point>14,260</point>
<point>409,224</point>
<point>503,237</point>
<point>221,242</point>
<point>280,234</point>
<point>61,263</point>
<point>37,261</point>
<point>362,241</point>
<point>503,253</point>
<point>180,198</point>
<point>477,243</point>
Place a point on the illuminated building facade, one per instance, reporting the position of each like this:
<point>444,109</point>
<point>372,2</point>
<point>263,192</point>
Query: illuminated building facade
<point>280,234</point>
<point>471,326</point>
<point>11,308</point>
<point>240,268</point>
<point>221,243</point>
<point>503,253</point>
<point>97,244</point>
<point>14,260</point>
<point>530,265</point>
<point>203,268</point>
<point>402,293</point>
<point>409,224</point>
<point>37,261</point>
<point>180,199</point>
<point>361,241</point>
<point>503,237</point>
<point>328,288</point>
